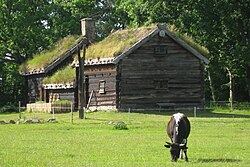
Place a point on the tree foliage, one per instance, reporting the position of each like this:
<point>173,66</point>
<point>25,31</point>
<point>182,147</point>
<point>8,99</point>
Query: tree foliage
<point>30,26</point>
<point>223,26</point>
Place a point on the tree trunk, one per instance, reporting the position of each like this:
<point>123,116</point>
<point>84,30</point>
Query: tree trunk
<point>211,86</point>
<point>230,88</point>
<point>248,79</point>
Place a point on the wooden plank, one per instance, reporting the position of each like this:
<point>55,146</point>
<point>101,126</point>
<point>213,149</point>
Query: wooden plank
<point>162,64</point>
<point>178,86</point>
<point>141,75</point>
<point>96,80</point>
<point>104,72</point>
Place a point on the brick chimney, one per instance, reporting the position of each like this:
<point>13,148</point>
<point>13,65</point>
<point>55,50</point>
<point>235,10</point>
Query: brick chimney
<point>88,28</point>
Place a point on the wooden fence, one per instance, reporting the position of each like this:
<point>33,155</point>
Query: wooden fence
<point>50,107</point>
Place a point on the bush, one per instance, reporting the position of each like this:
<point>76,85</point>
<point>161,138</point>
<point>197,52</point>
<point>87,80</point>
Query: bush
<point>8,108</point>
<point>120,126</point>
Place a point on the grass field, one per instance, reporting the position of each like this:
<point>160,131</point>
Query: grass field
<point>218,138</point>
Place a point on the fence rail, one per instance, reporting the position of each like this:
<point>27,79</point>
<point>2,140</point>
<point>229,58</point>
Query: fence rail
<point>36,112</point>
<point>226,105</point>
<point>68,107</point>
<point>50,107</point>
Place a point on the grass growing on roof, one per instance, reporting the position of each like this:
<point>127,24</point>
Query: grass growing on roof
<point>117,42</point>
<point>189,40</point>
<point>45,58</point>
<point>64,75</point>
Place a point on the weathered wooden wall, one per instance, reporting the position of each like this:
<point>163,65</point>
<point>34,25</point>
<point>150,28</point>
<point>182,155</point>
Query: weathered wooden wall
<point>141,72</point>
<point>33,87</point>
<point>33,83</point>
<point>96,74</point>
<point>63,94</point>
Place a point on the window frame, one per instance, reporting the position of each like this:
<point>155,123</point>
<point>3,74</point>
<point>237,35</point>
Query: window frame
<point>102,86</point>
<point>161,84</point>
<point>160,50</point>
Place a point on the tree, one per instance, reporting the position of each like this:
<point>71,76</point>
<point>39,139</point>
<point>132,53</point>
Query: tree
<point>23,28</point>
<point>31,26</point>
<point>23,32</point>
<point>222,26</point>
<point>227,37</point>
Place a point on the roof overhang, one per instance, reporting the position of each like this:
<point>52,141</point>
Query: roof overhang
<point>92,62</point>
<point>59,86</point>
<point>161,29</point>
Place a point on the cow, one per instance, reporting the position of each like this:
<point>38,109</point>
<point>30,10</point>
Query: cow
<point>178,130</point>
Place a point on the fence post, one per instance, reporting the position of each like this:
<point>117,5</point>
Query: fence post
<point>128,114</point>
<point>53,111</point>
<point>194,111</point>
<point>72,116</point>
<point>19,109</point>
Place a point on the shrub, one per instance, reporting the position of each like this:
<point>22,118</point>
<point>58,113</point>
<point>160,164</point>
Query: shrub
<point>62,102</point>
<point>8,108</point>
<point>120,126</point>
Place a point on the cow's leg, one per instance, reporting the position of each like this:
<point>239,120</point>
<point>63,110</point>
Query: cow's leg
<point>185,152</point>
<point>181,154</point>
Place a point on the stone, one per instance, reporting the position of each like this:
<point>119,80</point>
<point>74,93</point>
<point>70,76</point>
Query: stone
<point>36,121</point>
<point>11,121</point>
<point>28,121</point>
<point>119,122</point>
<point>51,119</point>
<point>2,122</point>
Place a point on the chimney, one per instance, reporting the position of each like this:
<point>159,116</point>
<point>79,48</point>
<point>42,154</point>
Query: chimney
<point>88,28</point>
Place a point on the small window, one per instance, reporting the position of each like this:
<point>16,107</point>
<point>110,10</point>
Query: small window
<point>161,84</point>
<point>160,50</point>
<point>102,87</point>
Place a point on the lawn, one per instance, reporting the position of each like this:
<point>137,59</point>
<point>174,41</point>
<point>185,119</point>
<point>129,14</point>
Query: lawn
<point>218,138</point>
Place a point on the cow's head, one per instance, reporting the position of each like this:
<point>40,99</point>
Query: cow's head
<point>175,149</point>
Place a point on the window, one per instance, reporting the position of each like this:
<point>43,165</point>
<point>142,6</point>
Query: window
<point>102,86</point>
<point>161,84</point>
<point>160,50</point>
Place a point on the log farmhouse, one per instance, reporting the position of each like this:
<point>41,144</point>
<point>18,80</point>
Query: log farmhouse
<point>144,68</point>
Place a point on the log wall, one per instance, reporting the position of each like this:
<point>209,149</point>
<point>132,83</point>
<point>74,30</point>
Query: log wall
<point>33,87</point>
<point>61,94</point>
<point>147,79</point>
<point>33,82</point>
<point>97,74</point>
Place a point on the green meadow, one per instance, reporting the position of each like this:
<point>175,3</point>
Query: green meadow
<point>218,138</point>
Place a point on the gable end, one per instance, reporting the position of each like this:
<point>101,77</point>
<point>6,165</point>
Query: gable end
<point>162,31</point>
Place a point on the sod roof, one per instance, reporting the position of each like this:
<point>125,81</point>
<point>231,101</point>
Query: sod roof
<point>40,61</point>
<point>117,42</point>
<point>114,45</point>
<point>121,40</point>
<point>64,75</point>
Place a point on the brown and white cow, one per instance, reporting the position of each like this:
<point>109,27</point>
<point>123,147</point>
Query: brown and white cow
<point>178,130</point>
